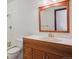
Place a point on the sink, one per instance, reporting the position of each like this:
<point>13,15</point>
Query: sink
<point>57,39</point>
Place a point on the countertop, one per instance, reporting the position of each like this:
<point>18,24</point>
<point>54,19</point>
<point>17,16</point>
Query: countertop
<point>64,41</point>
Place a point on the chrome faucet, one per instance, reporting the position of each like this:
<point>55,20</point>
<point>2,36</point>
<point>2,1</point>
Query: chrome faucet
<point>50,35</point>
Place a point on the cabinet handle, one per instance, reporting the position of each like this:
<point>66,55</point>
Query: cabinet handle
<point>43,57</point>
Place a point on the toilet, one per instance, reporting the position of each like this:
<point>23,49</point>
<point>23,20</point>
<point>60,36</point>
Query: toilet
<point>16,51</point>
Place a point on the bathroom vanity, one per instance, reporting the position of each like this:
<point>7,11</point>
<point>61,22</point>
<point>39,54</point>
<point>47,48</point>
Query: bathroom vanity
<point>46,48</point>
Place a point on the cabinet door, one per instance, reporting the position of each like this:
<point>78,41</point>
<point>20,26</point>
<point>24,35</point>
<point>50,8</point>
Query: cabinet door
<point>37,54</point>
<point>27,53</point>
<point>52,56</point>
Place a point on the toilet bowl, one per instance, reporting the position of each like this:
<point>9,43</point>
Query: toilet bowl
<point>14,52</point>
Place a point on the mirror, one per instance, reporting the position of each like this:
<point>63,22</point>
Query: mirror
<point>54,17</point>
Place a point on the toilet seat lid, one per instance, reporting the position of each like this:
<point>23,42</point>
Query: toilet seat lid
<point>14,50</point>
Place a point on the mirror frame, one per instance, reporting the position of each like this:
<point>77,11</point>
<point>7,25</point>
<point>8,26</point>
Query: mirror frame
<point>63,3</point>
<point>56,18</point>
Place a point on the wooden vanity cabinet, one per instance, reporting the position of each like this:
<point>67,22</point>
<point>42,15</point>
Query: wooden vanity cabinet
<point>35,49</point>
<point>37,54</point>
<point>52,56</point>
<point>27,53</point>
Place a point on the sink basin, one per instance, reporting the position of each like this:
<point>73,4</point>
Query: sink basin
<point>58,40</point>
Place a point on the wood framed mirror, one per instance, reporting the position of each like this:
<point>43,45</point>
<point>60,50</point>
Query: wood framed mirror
<point>54,17</point>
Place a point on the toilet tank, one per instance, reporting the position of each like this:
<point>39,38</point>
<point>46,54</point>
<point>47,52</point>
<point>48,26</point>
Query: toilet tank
<point>19,42</point>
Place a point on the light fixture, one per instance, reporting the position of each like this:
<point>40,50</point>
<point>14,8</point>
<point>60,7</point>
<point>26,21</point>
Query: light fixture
<point>46,2</point>
<point>54,0</point>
